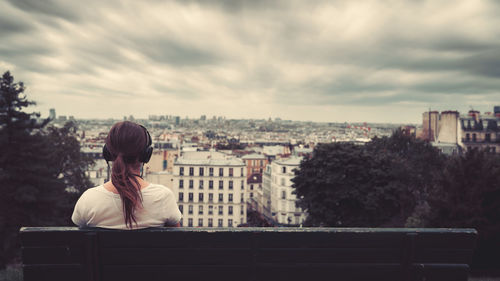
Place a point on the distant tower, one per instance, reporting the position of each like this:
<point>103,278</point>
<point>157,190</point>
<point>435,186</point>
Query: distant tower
<point>52,114</point>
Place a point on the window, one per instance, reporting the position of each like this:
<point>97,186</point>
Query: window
<point>230,172</point>
<point>211,172</point>
<point>474,137</point>
<point>230,197</point>
<point>230,222</point>
<point>242,210</point>
<point>230,210</point>
<point>221,197</point>
<point>200,197</point>
<point>210,222</point>
<point>181,197</point>
<point>221,210</point>
<point>190,222</point>
<point>200,210</point>
<point>241,173</point>
<point>201,171</point>
<point>210,209</point>
<point>201,184</point>
<point>191,184</point>
<point>284,170</point>
<point>487,137</point>
<point>191,171</point>
<point>210,184</point>
<point>219,223</point>
<point>190,197</point>
<point>200,222</point>
<point>181,183</point>
<point>221,184</point>
<point>242,198</point>
<point>181,221</point>
<point>467,137</point>
<point>190,209</point>
<point>221,172</point>
<point>242,185</point>
<point>251,194</point>
<point>181,171</point>
<point>283,194</point>
<point>261,163</point>
<point>210,197</point>
<point>181,209</point>
<point>230,184</point>
<point>251,187</point>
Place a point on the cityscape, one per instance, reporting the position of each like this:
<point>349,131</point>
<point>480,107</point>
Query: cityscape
<point>220,169</point>
<point>264,140</point>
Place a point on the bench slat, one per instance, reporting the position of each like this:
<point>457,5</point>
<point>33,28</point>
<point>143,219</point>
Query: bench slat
<point>329,240</point>
<point>165,256</point>
<point>328,255</point>
<point>54,272</point>
<point>135,239</point>
<point>53,255</point>
<point>188,272</point>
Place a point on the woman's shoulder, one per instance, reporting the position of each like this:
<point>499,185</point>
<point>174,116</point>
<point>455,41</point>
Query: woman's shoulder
<point>158,189</point>
<point>95,191</point>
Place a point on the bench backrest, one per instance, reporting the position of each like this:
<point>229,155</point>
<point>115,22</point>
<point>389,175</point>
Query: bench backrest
<point>66,253</point>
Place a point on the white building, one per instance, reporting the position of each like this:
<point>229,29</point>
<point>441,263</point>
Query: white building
<point>277,192</point>
<point>210,188</point>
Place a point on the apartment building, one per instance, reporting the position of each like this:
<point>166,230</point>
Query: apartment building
<point>211,189</point>
<point>255,163</point>
<point>453,132</point>
<point>277,192</point>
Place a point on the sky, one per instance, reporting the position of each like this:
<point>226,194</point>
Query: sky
<point>327,61</point>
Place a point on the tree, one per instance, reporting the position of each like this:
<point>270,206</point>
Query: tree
<point>379,184</point>
<point>34,169</point>
<point>467,195</point>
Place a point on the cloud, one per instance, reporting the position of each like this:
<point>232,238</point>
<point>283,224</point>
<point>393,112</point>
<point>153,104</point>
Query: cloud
<point>254,58</point>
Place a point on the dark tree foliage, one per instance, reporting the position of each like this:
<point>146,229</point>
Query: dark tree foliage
<point>378,184</point>
<point>34,169</point>
<point>467,194</point>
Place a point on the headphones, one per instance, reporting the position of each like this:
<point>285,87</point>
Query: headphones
<point>143,158</point>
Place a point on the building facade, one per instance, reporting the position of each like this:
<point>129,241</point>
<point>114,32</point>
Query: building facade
<point>255,163</point>
<point>210,189</point>
<point>452,132</point>
<point>277,192</point>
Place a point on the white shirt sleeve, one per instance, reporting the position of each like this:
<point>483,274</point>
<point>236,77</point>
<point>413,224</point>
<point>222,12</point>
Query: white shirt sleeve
<point>79,213</point>
<point>171,209</point>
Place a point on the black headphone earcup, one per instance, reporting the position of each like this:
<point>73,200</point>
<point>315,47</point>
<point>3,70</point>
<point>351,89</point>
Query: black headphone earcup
<point>147,154</point>
<point>106,154</point>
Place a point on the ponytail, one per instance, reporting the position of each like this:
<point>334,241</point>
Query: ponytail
<point>127,186</point>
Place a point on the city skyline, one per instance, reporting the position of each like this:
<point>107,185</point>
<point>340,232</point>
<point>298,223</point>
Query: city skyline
<point>321,61</point>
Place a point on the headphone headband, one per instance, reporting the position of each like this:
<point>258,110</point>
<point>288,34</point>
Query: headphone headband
<point>145,154</point>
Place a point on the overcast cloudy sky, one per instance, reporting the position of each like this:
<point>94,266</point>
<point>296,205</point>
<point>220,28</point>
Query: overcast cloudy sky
<point>376,61</point>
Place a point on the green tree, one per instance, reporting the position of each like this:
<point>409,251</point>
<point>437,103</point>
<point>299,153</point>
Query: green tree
<point>379,184</point>
<point>467,195</point>
<point>35,169</point>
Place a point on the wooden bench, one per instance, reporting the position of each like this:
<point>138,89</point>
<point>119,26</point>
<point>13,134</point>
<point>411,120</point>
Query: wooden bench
<point>260,254</point>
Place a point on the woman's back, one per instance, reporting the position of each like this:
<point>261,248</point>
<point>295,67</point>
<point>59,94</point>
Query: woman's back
<point>99,207</point>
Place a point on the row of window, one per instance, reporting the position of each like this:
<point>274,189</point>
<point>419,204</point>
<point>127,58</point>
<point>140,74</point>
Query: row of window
<point>201,184</point>
<point>218,209</point>
<point>487,137</point>
<point>210,222</point>
<point>255,162</point>
<point>201,172</point>
<point>201,197</point>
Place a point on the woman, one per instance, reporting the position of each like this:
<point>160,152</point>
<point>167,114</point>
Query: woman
<point>127,201</point>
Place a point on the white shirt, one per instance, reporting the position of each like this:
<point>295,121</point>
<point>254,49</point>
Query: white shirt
<point>99,207</point>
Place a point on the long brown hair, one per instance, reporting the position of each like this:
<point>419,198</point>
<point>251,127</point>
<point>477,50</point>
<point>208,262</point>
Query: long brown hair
<point>126,141</point>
